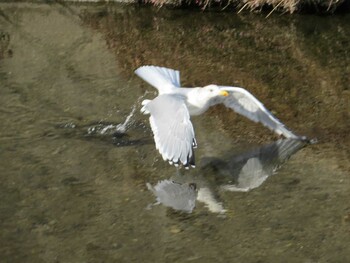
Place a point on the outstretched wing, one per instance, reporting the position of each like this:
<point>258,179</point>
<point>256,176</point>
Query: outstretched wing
<point>243,102</point>
<point>172,129</point>
<point>161,78</point>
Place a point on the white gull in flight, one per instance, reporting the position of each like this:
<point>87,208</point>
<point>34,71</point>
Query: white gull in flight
<point>170,112</point>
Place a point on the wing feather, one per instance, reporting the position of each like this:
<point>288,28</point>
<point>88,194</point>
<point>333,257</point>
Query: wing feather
<point>172,129</point>
<point>244,103</point>
<point>161,78</point>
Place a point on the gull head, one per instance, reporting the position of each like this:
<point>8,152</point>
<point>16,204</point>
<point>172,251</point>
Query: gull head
<point>213,91</point>
<point>202,98</point>
<point>212,94</point>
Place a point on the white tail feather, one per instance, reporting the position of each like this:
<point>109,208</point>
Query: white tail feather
<point>160,78</point>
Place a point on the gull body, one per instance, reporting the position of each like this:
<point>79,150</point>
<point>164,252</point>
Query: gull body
<point>197,100</point>
<point>170,111</point>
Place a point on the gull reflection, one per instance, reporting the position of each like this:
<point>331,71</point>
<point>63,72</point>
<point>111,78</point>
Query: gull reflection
<point>250,169</point>
<point>178,196</point>
<point>242,172</point>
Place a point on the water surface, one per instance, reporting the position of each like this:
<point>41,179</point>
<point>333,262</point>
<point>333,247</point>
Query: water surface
<point>74,191</point>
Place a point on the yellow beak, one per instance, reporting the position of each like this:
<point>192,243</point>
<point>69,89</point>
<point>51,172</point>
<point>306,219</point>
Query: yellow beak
<point>223,93</point>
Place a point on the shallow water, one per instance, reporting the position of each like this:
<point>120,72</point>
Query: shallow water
<point>76,171</point>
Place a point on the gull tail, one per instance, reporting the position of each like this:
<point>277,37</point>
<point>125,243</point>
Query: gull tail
<point>161,78</point>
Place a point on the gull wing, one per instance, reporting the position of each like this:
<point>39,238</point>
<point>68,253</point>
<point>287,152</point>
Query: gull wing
<point>244,103</point>
<point>172,129</point>
<point>161,78</point>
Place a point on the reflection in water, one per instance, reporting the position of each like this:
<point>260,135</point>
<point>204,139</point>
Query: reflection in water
<point>241,173</point>
<point>249,170</point>
<point>175,195</point>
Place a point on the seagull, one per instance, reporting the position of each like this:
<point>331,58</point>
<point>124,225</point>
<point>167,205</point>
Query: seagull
<point>170,112</point>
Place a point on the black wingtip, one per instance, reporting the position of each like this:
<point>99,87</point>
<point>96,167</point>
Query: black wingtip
<point>307,140</point>
<point>191,162</point>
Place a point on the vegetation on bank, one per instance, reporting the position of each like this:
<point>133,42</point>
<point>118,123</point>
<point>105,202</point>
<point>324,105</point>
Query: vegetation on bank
<point>284,6</point>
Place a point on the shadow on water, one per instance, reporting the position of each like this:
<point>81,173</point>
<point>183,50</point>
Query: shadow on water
<point>242,173</point>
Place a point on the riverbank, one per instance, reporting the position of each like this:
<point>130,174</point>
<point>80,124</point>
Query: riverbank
<point>268,6</point>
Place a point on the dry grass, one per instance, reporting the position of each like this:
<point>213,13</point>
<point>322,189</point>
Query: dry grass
<point>283,6</point>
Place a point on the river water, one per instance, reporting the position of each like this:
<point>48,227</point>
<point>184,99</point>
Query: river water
<point>79,172</point>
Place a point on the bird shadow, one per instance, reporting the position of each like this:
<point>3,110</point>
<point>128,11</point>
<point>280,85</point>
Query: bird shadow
<point>241,172</point>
